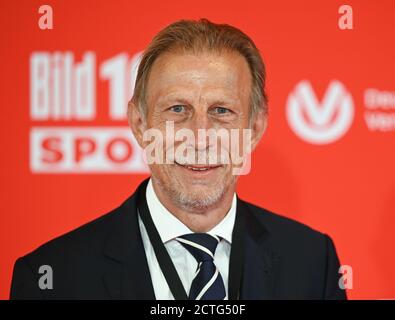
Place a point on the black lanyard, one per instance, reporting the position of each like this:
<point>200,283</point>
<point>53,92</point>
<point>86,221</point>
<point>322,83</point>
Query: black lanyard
<point>167,266</point>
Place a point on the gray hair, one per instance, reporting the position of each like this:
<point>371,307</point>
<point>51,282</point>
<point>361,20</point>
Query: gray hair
<point>196,37</point>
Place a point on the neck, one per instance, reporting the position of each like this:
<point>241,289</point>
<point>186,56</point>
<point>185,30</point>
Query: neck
<point>197,219</point>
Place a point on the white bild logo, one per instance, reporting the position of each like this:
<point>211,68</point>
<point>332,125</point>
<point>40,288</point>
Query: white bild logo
<point>85,150</point>
<point>63,90</point>
<point>320,123</point>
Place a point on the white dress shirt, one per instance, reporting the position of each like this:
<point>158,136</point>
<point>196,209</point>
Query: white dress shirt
<point>169,228</point>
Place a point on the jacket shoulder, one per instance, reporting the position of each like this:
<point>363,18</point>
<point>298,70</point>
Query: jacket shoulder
<point>288,232</point>
<point>75,258</point>
<point>309,262</point>
<point>82,243</point>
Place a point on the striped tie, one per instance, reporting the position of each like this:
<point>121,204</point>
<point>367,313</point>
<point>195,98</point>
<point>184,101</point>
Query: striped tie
<point>207,283</point>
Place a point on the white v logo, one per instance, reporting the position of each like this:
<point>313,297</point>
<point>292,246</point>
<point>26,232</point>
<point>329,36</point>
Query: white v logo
<point>318,127</point>
<point>320,115</point>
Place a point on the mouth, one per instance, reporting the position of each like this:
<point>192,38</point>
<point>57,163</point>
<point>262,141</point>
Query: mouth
<point>199,168</point>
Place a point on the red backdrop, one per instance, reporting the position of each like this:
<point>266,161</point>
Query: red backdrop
<point>327,158</point>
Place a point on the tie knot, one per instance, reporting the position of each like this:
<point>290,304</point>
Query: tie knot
<point>201,245</point>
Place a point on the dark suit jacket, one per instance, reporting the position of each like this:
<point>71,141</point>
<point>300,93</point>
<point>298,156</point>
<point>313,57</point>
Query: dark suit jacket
<point>105,259</point>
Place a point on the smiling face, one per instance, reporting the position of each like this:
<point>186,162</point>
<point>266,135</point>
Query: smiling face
<point>205,91</point>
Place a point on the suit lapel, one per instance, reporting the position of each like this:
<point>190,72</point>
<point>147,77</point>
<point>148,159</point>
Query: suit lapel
<point>261,263</point>
<point>128,275</point>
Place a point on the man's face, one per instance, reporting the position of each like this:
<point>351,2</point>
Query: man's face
<point>205,91</point>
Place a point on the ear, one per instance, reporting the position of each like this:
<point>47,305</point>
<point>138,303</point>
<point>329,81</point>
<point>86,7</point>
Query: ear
<point>136,122</point>
<point>258,126</point>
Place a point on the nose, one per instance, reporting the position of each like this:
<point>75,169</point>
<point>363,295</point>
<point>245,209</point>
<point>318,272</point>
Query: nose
<point>200,124</point>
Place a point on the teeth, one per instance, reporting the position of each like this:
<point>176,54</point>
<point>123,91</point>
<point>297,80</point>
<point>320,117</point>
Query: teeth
<point>197,169</point>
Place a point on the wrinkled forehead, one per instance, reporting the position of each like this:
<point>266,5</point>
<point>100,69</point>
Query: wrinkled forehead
<point>205,74</point>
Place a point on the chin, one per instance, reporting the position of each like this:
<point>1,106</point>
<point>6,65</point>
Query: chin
<point>197,202</point>
<point>198,196</point>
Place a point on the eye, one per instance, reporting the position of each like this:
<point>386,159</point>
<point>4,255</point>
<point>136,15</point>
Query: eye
<point>221,110</point>
<point>177,108</point>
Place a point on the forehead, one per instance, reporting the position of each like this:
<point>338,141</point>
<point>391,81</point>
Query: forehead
<point>223,74</point>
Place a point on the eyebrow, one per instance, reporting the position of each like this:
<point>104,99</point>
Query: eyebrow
<point>178,99</point>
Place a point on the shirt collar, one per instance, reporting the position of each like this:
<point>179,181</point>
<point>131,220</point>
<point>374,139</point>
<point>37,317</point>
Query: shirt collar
<point>169,227</point>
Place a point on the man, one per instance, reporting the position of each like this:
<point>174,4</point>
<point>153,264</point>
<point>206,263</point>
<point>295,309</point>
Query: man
<point>184,234</point>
